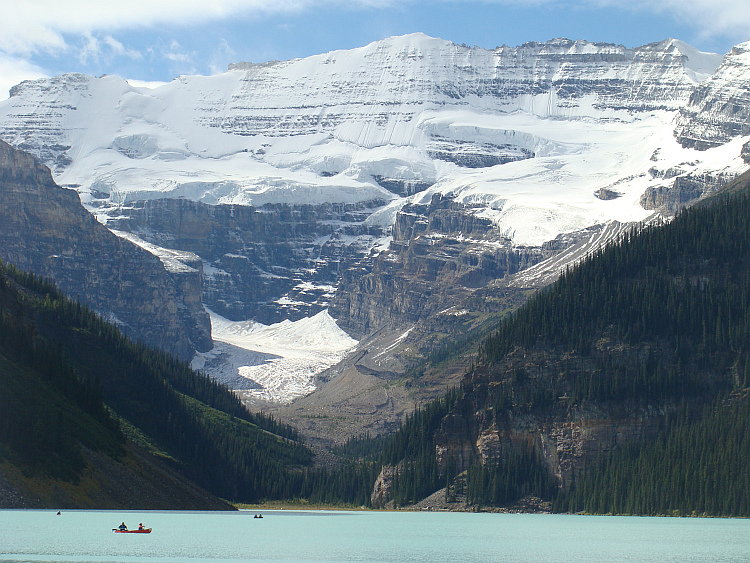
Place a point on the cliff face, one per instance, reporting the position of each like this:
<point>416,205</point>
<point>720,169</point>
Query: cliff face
<point>719,108</point>
<point>271,263</point>
<point>442,255</point>
<point>567,436</point>
<point>684,191</point>
<point>47,231</point>
<point>566,444</point>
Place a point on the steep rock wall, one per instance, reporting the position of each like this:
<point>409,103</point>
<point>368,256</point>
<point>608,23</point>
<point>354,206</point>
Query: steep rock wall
<point>47,231</point>
<point>719,108</point>
<point>440,254</point>
<point>270,263</point>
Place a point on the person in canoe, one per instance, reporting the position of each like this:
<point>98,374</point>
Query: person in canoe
<point>140,526</point>
<point>122,527</point>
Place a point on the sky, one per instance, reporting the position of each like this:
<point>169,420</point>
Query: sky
<point>158,40</point>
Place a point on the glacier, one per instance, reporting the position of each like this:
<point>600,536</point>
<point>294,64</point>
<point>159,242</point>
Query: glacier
<point>273,363</point>
<point>321,129</point>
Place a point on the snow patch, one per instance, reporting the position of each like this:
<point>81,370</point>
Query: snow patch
<point>275,363</point>
<point>395,343</point>
<point>175,261</point>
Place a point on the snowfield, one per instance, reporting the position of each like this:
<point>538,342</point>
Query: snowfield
<point>275,363</point>
<point>326,128</point>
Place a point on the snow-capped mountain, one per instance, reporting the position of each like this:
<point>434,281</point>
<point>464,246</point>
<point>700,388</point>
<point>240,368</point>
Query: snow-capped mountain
<point>403,113</point>
<point>489,151</point>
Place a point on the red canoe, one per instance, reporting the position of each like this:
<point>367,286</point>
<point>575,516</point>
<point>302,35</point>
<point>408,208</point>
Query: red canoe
<point>143,531</point>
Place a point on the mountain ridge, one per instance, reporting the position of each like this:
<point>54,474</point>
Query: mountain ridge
<point>544,144</point>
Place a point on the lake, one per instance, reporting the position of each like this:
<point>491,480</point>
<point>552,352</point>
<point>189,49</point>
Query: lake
<point>333,536</point>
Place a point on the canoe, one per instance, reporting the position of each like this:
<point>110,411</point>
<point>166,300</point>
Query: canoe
<point>143,531</point>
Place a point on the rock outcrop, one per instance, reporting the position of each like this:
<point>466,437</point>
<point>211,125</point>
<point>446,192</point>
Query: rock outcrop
<point>271,263</point>
<point>719,108</point>
<point>566,440</point>
<point>45,230</point>
<point>684,191</point>
<point>381,490</point>
<point>441,254</point>
<point>745,153</point>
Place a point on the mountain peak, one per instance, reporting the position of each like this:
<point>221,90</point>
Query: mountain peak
<point>698,64</point>
<point>719,109</point>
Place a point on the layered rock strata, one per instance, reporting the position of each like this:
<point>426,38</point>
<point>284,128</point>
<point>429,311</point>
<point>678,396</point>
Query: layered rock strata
<point>270,263</point>
<point>440,256</point>
<point>47,231</point>
<point>719,108</point>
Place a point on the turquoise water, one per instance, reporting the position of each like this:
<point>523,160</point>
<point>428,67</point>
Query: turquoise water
<point>281,536</point>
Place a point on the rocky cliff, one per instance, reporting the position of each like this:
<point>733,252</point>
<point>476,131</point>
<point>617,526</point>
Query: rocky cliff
<point>718,109</point>
<point>683,191</point>
<point>270,263</point>
<point>567,435</point>
<point>48,232</point>
<point>442,258</point>
<point>420,308</point>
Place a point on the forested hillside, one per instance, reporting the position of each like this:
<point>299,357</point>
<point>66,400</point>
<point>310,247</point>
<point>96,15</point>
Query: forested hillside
<point>70,380</point>
<point>621,388</point>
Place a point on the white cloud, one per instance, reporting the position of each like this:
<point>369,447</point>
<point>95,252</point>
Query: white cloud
<point>222,55</point>
<point>182,62</point>
<point>32,25</point>
<point>179,57</point>
<point>117,47</point>
<point>89,49</point>
<point>14,70</point>
<point>709,17</point>
<point>95,49</point>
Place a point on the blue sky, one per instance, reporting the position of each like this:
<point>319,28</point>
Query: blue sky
<point>156,40</point>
